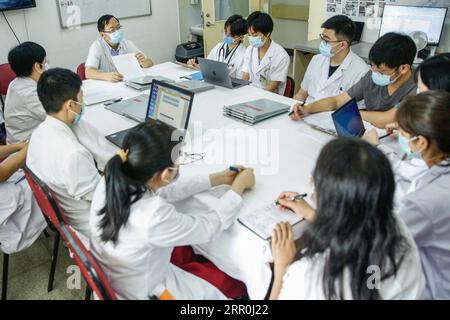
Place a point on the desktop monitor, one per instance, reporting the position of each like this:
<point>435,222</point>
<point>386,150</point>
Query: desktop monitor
<point>406,19</point>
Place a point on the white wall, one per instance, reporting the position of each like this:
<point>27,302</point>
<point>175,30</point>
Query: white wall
<point>190,15</point>
<point>156,35</point>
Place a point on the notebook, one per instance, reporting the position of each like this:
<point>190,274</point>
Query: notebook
<point>195,86</point>
<point>253,112</point>
<point>263,221</point>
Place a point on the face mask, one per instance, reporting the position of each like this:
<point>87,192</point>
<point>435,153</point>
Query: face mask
<point>80,115</point>
<point>406,148</point>
<point>116,37</point>
<point>47,66</point>
<point>383,80</point>
<point>227,40</point>
<point>256,42</point>
<point>325,49</point>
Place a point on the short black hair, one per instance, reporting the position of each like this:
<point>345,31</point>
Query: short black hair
<point>342,25</point>
<point>23,57</point>
<point>261,22</point>
<point>56,86</point>
<point>435,72</point>
<point>103,21</point>
<point>393,50</point>
<point>237,24</point>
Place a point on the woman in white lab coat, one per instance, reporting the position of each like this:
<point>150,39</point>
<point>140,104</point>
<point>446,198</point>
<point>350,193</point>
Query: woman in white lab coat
<point>266,63</point>
<point>21,221</point>
<point>355,247</point>
<point>134,227</point>
<point>232,50</point>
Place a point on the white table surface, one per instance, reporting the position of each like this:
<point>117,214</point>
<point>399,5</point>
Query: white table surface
<point>294,150</point>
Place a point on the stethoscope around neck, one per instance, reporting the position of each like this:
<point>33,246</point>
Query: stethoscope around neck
<point>222,53</point>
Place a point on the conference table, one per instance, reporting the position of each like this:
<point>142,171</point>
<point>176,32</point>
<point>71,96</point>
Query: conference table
<point>282,152</point>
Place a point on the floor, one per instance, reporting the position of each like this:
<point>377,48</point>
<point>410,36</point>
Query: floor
<point>29,271</point>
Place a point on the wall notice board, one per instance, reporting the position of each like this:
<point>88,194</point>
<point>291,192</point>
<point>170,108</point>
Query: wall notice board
<point>73,13</point>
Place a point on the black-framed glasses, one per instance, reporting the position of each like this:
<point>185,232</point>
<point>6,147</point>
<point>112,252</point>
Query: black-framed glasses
<point>114,29</point>
<point>322,37</point>
<point>189,158</point>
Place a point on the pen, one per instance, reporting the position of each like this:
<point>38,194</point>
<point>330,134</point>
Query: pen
<point>296,198</point>
<point>387,135</point>
<point>235,169</point>
<point>302,103</point>
<point>112,102</point>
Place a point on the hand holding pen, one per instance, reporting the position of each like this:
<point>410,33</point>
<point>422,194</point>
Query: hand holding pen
<point>296,203</point>
<point>298,111</point>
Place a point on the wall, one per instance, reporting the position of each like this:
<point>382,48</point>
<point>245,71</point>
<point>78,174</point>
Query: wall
<point>190,15</point>
<point>156,35</point>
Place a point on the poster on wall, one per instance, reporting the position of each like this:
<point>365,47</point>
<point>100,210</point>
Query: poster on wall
<point>358,8</point>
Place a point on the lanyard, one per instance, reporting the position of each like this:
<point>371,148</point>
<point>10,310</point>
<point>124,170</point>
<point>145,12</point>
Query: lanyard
<point>222,53</point>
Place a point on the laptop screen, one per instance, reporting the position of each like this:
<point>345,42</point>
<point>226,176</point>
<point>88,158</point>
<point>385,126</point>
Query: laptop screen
<point>170,104</point>
<point>348,121</point>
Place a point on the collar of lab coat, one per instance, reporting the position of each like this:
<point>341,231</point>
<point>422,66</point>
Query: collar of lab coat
<point>434,173</point>
<point>60,126</point>
<point>267,58</point>
<point>339,72</point>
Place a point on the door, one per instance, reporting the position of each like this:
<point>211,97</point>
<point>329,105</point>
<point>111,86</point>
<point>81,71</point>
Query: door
<point>216,12</point>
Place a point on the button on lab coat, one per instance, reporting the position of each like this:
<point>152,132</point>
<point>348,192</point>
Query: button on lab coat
<point>319,85</point>
<point>235,60</point>
<point>273,67</point>
<point>426,211</point>
<point>140,261</point>
<point>56,156</point>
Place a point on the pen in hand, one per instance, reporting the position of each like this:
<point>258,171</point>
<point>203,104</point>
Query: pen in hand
<point>296,198</point>
<point>235,169</point>
<point>302,103</point>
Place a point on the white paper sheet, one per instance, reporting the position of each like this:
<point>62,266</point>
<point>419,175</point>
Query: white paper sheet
<point>128,66</point>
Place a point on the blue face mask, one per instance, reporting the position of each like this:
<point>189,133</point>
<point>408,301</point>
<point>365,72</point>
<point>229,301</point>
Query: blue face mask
<point>80,115</point>
<point>325,50</point>
<point>227,40</point>
<point>382,80</point>
<point>116,37</point>
<point>406,148</point>
<point>256,42</point>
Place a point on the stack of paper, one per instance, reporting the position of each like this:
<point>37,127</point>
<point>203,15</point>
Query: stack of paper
<point>128,66</point>
<point>256,111</point>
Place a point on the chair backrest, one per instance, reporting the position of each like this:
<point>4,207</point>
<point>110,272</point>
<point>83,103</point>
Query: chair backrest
<point>290,88</point>
<point>89,267</point>
<point>46,199</point>
<point>81,71</point>
<point>7,75</point>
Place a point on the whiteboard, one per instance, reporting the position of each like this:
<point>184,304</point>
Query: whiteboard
<point>73,13</point>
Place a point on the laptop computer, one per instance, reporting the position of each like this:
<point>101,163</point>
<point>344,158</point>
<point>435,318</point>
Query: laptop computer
<point>133,109</point>
<point>348,121</point>
<point>167,103</point>
<point>217,73</point>
<point>144,83</point>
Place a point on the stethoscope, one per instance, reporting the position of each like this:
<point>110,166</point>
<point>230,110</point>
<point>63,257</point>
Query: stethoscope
<point>222,53</point>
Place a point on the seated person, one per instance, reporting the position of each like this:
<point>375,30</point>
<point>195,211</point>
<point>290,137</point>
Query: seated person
<point>23,110</point>
<point>99,63</point>
<point>382,88</point>
<point>135,227</point>
<point>21,220</point>
<point>232,50</point>
<point>355,246</point>
<point>336,69</point>
<point>56,156</point>
<point>266,63</point>
<point>424,134</point>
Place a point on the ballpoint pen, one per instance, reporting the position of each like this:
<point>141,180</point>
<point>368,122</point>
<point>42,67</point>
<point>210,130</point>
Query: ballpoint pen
<point>296,198</point>
<point>235,169</point>
<point>302,103</point>
<point>112,102</point>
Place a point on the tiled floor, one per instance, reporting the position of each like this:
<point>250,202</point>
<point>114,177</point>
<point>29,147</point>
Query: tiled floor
<point>29,271</point>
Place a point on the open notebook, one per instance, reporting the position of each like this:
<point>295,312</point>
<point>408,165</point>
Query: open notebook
<point>263,221</point>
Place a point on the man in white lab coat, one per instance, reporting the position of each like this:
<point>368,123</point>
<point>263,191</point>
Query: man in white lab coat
<point>56,156</point>
<point>336,69</point>
<point>266,63</point>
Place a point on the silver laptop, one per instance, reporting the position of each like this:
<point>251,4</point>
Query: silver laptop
<point>147,80</point>
<point>134,109</point>
<point>217,73</point>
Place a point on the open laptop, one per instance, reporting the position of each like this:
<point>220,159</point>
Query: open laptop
<point>348,121</point>
<point>167,103</point>
<point>134,108</point>
<point>217,73</point>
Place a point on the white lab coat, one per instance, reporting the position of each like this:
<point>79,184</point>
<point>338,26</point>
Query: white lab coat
<point>273,67</point>
<point>21,220</point>
<point>235,59</point>
<point>140,262</point>
<point>304,278</point>
<point>56,156</point>
<point>426,211</point>
<point>319,85</point>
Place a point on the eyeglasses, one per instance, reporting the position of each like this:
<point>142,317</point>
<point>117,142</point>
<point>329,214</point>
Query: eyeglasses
<point>189,158</point>
<point>114,29</point>
<point>322,37</point>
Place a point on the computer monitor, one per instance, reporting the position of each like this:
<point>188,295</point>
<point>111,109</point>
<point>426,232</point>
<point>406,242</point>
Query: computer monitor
<point>407,19</point>
<point>348,121</point>
<point>170,104</point>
